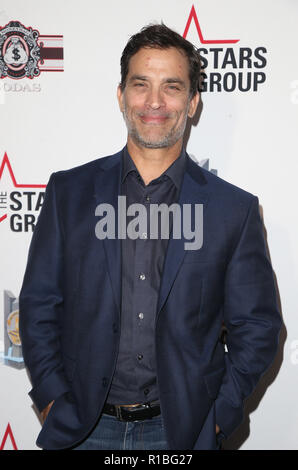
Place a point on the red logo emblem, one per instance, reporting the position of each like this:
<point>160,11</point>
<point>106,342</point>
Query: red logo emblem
<point>6,162</point>
<point>8,433</point>
<point>193,17</point>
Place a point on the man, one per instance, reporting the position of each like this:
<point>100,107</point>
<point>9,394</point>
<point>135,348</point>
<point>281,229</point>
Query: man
<point>122,335</point>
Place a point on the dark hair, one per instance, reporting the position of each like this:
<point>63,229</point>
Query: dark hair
<point>159,36</point>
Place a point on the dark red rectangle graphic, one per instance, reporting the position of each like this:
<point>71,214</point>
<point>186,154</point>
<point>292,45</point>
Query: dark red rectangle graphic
<point>54,53</point>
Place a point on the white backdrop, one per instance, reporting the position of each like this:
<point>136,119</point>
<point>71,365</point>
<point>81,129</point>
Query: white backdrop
<point>61,119</point>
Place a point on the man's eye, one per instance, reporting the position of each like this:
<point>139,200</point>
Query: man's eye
<point>139,84</point>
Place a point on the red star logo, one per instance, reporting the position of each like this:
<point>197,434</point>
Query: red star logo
<point>193,16</point>
<point>6,162</point>
<point>9,433</point>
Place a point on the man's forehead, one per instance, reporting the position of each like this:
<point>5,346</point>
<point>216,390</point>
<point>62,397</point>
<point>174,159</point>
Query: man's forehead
<point>158,58</point>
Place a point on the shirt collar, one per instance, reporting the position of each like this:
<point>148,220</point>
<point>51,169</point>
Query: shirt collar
<point>175,171</point>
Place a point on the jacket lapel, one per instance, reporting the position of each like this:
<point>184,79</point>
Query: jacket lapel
<point>107,189</point>
<point>192,192</point>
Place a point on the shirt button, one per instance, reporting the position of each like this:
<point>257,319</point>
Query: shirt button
<point>140,357</point>
<point>147,198</point>
<point>141,315</point>
<point>142,276</point>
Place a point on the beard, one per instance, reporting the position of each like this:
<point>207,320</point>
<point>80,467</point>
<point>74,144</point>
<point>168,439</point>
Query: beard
<point>168,139</point>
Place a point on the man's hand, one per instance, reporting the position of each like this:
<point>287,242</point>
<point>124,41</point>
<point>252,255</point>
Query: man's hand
<point>217,429</point>
<point>44,413</point>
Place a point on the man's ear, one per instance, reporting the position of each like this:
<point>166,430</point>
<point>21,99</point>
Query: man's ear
<point>120,98</point>
<point>193,104</point>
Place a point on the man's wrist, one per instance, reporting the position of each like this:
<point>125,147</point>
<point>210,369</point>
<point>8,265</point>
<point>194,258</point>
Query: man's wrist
<point>44,413</point>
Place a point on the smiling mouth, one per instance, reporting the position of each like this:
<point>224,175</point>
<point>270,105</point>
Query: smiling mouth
<point>153,119</point>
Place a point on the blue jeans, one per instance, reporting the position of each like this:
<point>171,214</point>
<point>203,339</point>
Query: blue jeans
<point>112,434</point>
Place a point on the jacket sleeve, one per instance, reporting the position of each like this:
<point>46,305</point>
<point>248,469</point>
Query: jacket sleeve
<point>41,305</point>
<point>252,320</point>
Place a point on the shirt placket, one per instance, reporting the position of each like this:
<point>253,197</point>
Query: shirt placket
<point>143,308</point>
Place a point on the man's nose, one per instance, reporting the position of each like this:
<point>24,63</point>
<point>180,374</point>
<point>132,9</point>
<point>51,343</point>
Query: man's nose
<point>155,99</point>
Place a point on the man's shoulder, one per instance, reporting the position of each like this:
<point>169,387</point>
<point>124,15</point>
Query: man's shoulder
<point>225,190</point>
<point>87,170</point>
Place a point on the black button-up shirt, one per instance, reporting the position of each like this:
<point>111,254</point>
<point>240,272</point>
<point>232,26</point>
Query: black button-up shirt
<point>134,380</point>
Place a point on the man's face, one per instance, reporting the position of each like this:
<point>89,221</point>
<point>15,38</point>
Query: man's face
<point>156,100</point>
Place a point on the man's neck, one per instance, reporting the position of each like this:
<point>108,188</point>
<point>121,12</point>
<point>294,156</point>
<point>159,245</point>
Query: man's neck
<point>151,163</point>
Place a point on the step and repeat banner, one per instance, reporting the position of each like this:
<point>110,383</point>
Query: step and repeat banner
<point>59,71</point>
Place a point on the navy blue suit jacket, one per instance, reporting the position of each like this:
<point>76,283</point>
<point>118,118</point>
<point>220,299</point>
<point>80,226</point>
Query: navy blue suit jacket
<point>70,309</point>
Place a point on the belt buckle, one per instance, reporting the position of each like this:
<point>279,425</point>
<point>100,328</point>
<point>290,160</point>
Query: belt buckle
<point>118,409</point>
<point>118,413</point>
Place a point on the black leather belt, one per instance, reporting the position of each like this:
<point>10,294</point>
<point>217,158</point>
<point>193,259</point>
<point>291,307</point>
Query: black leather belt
<point>133,413</point>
